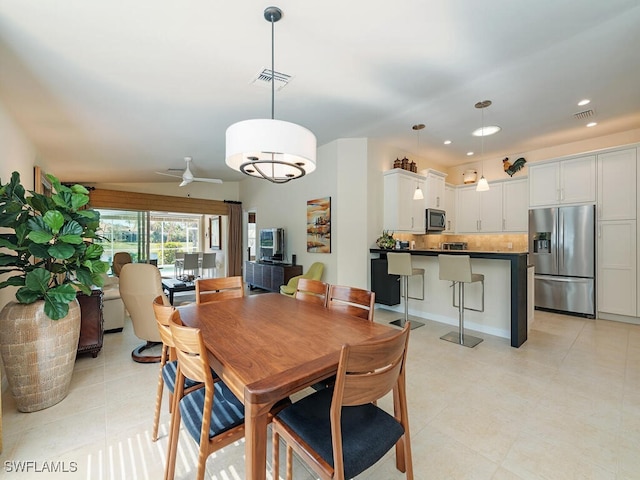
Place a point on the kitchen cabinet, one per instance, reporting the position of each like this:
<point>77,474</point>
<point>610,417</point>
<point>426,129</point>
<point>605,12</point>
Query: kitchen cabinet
<point>515,205</point>
<point>401,212</point>
<point>479,212</point>
<point>450,208</point>
<point>617,185</point>
<point>617,268</point>
<point>434,189</point>
<point>563,182</point>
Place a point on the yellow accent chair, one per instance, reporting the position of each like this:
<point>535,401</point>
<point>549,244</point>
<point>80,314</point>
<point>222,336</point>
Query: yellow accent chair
<point>314,273</point>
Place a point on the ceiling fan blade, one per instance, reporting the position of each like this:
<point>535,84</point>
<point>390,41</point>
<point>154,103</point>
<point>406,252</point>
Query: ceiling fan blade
<point>185,182</point>
<point>210,180</point>
<point>169,175</point>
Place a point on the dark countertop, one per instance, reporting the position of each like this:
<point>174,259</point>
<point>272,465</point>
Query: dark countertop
<point>432,252</point>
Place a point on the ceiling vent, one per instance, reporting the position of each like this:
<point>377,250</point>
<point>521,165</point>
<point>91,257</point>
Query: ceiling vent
<point>582,115</point>
<point>263,79</point>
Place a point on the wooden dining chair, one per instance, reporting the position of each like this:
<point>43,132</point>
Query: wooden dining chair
<point>212,415</point>
<point>351,300</point>
<point>163,311</point>
<point>314,291</point>
<point>218,289</point>
<point>340,443</point>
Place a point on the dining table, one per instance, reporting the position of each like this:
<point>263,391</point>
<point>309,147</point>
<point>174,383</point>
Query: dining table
<point>269,346</point>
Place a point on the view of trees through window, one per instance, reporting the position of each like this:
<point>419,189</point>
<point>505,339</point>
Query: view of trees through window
<point>167,233</point>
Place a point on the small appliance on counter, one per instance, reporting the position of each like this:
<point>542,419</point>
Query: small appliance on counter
<point>454,246</point>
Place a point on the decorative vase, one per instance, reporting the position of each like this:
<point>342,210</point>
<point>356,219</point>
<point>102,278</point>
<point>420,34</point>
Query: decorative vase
<point>38,353</point>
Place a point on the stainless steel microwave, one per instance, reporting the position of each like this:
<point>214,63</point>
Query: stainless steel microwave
<point>435,220</point>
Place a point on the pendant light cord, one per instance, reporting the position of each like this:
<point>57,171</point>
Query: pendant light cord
<point>273,72</point>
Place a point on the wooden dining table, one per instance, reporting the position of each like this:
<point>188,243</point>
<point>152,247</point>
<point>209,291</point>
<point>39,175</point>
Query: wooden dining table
<point>267,347</point>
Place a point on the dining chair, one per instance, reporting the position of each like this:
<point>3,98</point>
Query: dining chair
<point>178,263</point>
<point>314,291</point>
<point>119,260</point>
<point>163,311</point>
<point>191,264</point>
<point>208,264</point>
<point>212,415</point>
<point>338,442</point>
<point>351,300</point>
<point>218,289</point>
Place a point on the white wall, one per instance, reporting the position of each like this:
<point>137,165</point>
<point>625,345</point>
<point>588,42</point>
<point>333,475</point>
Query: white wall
<point>16,154</point>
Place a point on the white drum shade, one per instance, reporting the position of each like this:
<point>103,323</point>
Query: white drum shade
<point>280,150</point>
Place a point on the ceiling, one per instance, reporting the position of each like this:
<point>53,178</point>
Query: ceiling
<point>114,91</point>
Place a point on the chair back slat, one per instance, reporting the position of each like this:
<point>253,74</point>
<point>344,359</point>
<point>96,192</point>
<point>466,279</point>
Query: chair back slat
<point>313,291</point>
<point>351,300</point>
<point>218,289</point>
<point>191,351</point>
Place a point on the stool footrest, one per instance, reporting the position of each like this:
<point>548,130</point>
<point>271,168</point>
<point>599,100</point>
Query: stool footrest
<point>467,340</point>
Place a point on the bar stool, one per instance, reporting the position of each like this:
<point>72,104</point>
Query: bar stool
<point>457,269</point>
<point>399,263</point>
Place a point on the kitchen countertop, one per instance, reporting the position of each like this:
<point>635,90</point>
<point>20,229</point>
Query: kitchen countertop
<point>437,251</point>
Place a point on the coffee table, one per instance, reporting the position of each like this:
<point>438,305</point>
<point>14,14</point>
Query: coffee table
<point>173,285</point>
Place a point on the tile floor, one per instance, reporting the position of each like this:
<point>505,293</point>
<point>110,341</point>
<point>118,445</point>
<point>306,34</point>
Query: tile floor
<point>566,405</point>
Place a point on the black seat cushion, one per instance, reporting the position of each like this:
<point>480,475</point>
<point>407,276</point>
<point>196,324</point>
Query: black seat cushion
<point>227,411</point>
<point>368,432</point>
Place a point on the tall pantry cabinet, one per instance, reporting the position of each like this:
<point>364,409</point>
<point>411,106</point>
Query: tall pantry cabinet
<point>617,207</point>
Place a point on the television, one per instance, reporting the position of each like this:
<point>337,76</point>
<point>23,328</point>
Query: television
<point>271,245</point>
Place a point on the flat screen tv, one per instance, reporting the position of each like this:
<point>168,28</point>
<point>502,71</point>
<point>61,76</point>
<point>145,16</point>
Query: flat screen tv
<point>271,244</point>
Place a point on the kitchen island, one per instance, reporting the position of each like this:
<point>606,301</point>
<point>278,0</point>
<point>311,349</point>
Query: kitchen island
<point>505,273</point>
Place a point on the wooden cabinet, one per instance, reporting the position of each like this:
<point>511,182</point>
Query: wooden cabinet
<point>563,182</point>
<point>434,193</point>
<point>479,212</point>
<point>269,276</point>
<point>450,208</point>
<point>401,212</point>
<point>515,205</point>
<point>91,327</point>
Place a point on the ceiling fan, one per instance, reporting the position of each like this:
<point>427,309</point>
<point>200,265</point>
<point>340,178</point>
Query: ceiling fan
<point>187,176</point>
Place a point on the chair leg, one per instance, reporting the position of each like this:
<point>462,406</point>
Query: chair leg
<point>289,463</point>
<point>275,446</point>
<point>459,337</point>
<point>156,417</point>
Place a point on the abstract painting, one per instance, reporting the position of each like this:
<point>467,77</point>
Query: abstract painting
<point>319,225</point>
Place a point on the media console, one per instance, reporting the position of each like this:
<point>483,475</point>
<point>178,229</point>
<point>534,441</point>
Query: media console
<point>269,276</point>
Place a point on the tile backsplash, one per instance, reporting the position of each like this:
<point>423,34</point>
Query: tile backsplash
<point>516,242</point>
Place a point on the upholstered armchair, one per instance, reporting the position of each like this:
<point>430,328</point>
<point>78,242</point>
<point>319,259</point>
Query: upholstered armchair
<point>314,273</point>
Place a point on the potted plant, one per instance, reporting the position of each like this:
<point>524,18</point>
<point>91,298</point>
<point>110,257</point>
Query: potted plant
<point>386,240</point>
<point>47,252</point>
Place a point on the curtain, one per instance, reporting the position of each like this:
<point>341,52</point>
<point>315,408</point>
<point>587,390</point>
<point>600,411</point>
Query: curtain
<point>235,240</point>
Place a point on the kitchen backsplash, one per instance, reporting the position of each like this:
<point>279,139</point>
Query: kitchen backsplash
<point>516,242</point>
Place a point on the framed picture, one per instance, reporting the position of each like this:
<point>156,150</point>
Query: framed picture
<point>215,235</point>
<point>319,225</point>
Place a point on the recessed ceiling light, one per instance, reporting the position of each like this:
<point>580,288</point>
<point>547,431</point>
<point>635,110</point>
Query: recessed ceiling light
<point>447,142</point>
<point>486,131</point>
<point>584,102</point>
<point>469,154</point>
<point>592,124</point>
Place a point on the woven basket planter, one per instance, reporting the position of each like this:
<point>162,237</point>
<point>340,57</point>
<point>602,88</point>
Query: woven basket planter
<point>38,353</point>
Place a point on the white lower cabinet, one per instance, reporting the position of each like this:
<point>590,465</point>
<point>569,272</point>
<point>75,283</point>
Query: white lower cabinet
<point>617,268</point>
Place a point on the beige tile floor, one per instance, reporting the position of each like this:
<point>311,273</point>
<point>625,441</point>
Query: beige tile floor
<point>566,405</point>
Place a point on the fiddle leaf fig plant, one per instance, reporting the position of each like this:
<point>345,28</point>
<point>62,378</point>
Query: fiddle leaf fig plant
<point>50,243</point>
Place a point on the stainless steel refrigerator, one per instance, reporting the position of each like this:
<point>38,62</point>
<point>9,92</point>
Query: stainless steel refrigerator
<point>562,250</point>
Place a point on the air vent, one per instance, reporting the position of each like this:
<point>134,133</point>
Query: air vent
<point>263,79</point>
<point>582,115</point>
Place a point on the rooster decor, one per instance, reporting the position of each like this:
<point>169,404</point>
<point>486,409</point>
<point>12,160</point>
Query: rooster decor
<point>513,168</point>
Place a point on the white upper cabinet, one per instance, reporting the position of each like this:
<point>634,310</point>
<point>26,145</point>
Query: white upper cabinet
<point>401,212</point>
<point>450,207</point>
<point>617,185</point>
<point>479,212</point>
<point>434,193</point>
<point>563,182</point>
<point>515,205</point>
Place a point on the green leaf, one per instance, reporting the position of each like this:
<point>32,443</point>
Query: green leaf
<point>61,251</point>
<point>94,251</point>
<point>55,310</point>
<point>79,189</point>
<point>84,276</point>
<point>39,250</point>
<point>79,200</point>
<point>38,280</point>
<point>54,220</point>
<point>40,236</point>
<point>9,241</point>
<point>62,293</point>
<point>15,281</point>
<point>25,295</point>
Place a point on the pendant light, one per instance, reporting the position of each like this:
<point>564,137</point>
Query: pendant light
<point>483,185</point>
<point>274,150</point>
<point>418,195</point>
